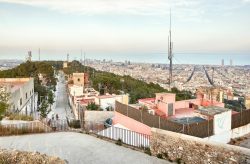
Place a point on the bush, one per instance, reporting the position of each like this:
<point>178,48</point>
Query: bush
<point>20,117</point>
<point>75,124</point>
<point>159,156</point>
<point>179,160</point>
<point>119,142</point>
<point>147,151</point>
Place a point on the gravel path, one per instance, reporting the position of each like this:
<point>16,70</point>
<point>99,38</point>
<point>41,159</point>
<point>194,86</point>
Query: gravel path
<point>78,148</point>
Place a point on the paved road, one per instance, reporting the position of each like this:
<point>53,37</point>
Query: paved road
<point>245,143</point>
<point>61,106</point>
<point>78,148</point>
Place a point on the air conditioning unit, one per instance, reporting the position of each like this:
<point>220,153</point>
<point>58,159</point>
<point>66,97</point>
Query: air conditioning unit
<point>151,112</point>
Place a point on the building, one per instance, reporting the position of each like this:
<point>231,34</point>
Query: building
<point>65,64</point>
<point>29,57</point>
<point>107,102</point>
<point>79,79</point>
<point>247,101</point>
<point>23,99</point>
<point>165,105</point>
<point>211,93</point>
<point>222,62</point>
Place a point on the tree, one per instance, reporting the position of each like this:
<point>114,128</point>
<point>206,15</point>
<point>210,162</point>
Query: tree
<point>4,101</point>
<point>44,109</point>
<point>51,98</point>
<point>92,106</point>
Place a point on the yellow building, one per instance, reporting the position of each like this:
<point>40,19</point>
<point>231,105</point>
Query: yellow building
<point>247,102</point>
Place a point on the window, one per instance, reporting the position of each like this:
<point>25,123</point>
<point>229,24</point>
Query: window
<point>26,95</point>
<point>21,101</point>
<point>78,79</point>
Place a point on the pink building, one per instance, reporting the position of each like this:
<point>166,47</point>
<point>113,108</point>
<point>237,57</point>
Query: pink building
<point>125,122</point>
<point>165,105</point>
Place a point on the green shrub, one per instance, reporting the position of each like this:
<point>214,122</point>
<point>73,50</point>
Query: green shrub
<point>159,155</point>
<point>147,151</point>
<point>179,160</point>
<point>20,117</point>
<point>119,142</point>
<point>75,124</point>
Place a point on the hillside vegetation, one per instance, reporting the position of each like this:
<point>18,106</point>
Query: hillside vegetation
<point>106,82</point>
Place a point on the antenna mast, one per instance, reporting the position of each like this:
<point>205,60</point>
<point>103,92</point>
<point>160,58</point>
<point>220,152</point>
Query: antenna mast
<point>170,54</point>
<point>81,56</point>
<point>39,57</point>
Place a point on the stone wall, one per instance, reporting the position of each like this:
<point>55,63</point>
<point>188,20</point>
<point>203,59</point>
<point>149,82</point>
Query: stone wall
<point>190,150</point>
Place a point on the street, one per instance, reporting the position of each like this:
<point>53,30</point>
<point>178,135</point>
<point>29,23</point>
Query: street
<point>61,106</point>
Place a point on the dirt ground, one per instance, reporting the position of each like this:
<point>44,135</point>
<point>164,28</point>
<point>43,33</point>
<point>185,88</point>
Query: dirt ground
<point>14,156</point>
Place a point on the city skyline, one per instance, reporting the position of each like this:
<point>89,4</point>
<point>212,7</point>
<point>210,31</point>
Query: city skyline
<point>122,27</point>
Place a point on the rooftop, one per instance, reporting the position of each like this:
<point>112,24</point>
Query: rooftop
<point>212,110</point>
<point>14,83</point>
<point>187,120</point>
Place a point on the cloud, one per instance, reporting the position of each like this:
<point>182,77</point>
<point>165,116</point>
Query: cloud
<point>185,10</point>
<point>89,7</point>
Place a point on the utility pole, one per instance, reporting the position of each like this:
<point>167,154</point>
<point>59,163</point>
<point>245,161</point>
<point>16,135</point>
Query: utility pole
<point>170,54</point>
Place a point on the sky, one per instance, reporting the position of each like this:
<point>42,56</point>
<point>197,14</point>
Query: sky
<point>104,28</point>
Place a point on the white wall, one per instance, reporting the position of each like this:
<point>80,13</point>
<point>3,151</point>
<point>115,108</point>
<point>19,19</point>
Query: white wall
<point>222,122</point>
<point>226,136</point>
<point>76,90</point>
<point>105,102</point>
<point>97,116</point>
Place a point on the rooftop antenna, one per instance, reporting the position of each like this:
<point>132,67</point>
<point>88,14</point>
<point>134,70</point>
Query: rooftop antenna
<point>39,57</point>
<point>84,62</point>
<point>84,59</point>
<point>170,54</point>
<point>81,56</point>
<point>81,61</point>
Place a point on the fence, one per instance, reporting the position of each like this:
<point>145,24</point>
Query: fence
<point>127,136</point>
<point>199,129</point>
<point>24,128</point>
<point>44,126</point>
<point>240,119</point>
<point>93,127</point>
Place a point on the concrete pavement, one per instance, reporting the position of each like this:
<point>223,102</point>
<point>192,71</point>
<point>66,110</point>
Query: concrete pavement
<point>78,148</point>
<point>61,106</point>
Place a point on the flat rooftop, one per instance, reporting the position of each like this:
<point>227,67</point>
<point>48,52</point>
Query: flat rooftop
<point>212,110</point>
<point>187,120</point>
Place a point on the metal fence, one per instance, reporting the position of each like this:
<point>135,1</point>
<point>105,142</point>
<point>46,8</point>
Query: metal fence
<point>199,129</point>
<point>240,119</point>
<point>24,128</point>
<point>44,126</point>
<point>126,136</point>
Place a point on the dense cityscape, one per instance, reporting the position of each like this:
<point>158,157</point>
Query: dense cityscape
<point>129,82</point>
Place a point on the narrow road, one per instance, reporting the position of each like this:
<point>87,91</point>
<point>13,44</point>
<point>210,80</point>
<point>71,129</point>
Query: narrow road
<point>78,148</point>
<point>61,106</point>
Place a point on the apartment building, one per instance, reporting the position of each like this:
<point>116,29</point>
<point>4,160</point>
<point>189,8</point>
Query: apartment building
<point>23,99</point>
